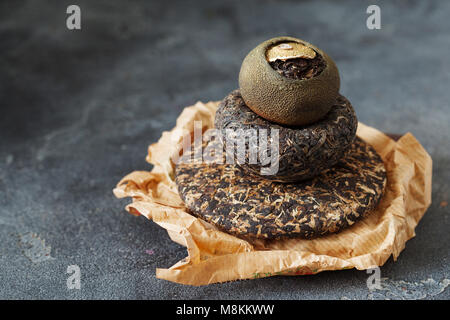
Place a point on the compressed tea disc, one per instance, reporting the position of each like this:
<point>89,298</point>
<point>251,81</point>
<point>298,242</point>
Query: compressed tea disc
<point>303,151</point>
<point>249,206</point>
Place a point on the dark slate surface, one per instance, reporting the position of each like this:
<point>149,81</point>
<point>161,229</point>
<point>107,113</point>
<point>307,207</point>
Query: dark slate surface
<point>78,109</point>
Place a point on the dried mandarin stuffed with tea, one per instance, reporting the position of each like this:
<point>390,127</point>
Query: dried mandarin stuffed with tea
<point>289,81</point>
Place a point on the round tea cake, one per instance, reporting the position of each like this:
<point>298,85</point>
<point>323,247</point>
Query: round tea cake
<point>304,151</point>
<point>250,206</point>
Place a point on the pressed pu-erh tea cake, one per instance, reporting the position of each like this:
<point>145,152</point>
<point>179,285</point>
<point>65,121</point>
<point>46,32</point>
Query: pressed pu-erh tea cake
<point>254,207</point>
<point>304,151</point>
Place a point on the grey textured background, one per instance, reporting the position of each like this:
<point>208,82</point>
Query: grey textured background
<point>78,109</point>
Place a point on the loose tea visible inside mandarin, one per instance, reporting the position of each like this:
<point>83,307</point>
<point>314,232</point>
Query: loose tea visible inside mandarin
<point>289,81</point>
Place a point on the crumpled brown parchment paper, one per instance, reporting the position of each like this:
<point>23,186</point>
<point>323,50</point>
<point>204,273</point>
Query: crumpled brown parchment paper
<point>215,256</point>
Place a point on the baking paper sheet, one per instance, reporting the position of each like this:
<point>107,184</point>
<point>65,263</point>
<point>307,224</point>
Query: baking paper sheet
<point>215,256</point>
